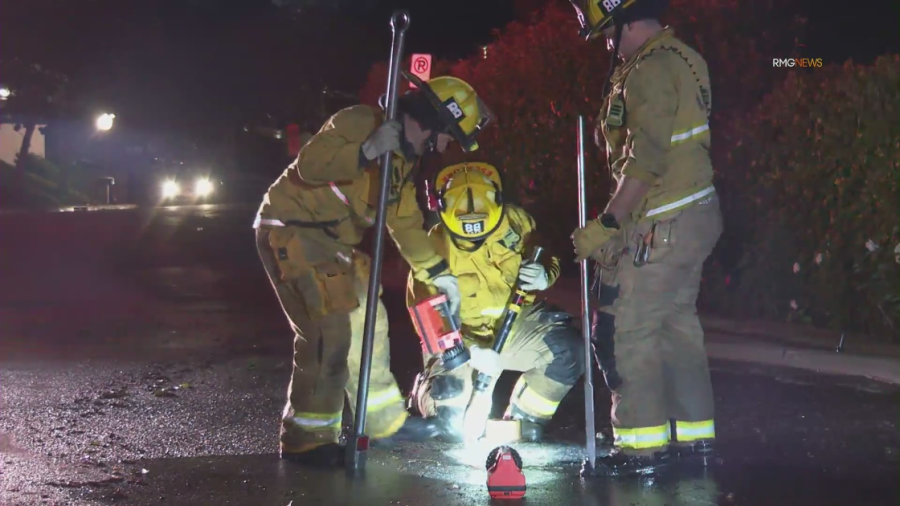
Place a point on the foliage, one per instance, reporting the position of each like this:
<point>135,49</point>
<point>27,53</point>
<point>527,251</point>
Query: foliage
<point>41,186</point>
<point>825,195</point>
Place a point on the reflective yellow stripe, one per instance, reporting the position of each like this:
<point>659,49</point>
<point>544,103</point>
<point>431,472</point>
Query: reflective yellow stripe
<point>532,402</point>
<point>644,437</point>
<point>313,421</point>
<point>493,312</point>
<point>393,428</point>
<point>381,399</point>
<point>687,134</point>
<point>678,204</point>
<point>692,431</point>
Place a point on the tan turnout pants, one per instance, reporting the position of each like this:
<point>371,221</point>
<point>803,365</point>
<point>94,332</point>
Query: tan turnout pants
<point>647,335</point>
<point>542,344</point>
<point>324,301</point>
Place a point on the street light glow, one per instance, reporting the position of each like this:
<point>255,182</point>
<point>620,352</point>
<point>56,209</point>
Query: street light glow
<point>4,93</point>
<point>105,122</point>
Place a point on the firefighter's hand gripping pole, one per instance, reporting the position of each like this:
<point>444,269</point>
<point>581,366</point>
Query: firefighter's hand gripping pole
<point>589,429</point>
<point>359,442</point>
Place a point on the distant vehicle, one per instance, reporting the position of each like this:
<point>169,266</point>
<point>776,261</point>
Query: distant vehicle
<point>179,183</point>
<point>194,190</point>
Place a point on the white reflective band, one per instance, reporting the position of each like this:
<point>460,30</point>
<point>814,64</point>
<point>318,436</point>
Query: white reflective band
<point>266,221</point>
<point>383,398</point>
<point>683,202</point>
<point>339,194</point>
<point>316,421</point>
<point>690,133</point>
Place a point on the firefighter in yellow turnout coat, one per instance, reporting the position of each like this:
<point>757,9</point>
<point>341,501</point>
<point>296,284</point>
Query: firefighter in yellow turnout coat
<point>660,226</point>
<point>484,242</point>
<point>311,219</point>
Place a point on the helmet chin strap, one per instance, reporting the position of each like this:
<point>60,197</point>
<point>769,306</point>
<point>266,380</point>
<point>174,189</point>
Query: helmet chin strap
<point>476,245</point>
<point>614,61</point>
<point>431,143</point>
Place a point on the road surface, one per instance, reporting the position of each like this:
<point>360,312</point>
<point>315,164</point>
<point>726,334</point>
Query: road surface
<point>144,360</point>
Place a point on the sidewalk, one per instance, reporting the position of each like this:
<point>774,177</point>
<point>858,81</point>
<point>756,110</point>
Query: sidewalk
<point>778,344</point>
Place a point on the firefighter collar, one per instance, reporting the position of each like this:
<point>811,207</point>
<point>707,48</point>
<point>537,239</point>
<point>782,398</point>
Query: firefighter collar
<point>652,42</point>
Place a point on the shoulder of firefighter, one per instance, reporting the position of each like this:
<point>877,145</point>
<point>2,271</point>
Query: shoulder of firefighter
<point>662,137</point>
<point>332,184</point>
<point>488,274</point>
<point>327,184</point>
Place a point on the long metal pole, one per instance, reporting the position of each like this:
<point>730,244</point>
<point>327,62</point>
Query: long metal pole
<point>589,429</point>
<point>359,443</point>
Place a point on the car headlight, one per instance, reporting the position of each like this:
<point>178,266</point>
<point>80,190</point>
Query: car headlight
<point>203,187</point>
<point>170,189</point>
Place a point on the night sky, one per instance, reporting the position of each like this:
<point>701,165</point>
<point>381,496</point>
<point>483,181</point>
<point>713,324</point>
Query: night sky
<point>224,61</point>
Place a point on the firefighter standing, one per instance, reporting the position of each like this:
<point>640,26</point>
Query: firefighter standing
<point>484,241</point>
<point>309,222</point>
<point>653,237</point>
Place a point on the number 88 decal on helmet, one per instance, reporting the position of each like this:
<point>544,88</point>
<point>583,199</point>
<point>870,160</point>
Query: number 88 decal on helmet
<point>470,200</point>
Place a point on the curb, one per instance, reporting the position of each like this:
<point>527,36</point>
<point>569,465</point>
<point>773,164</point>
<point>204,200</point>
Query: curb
<point>71,209</point>
<point>724,345</point>
<point>876,368</point>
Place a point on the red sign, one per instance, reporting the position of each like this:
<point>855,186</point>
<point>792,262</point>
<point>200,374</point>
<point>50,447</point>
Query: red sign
<point>420,66</point>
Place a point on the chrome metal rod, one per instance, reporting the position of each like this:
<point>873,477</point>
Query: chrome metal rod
<point>400,22</point>
<point>589,428</point>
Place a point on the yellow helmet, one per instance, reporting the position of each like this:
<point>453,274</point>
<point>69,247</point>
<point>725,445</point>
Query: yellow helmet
<point>470,200</point>
<point>597,15</point>
<point>459,108</point>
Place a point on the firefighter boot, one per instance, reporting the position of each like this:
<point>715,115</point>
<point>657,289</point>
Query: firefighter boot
<point>629,463</point>
<point>532,427</point>
<point>449,422</point>
<point>327,455</point>
<point>700,452</point>
<point>415,429</point>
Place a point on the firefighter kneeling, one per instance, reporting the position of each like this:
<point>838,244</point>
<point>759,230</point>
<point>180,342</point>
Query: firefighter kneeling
<point>484,242</point>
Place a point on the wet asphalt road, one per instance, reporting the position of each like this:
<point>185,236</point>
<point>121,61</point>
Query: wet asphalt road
<point>143,360</point>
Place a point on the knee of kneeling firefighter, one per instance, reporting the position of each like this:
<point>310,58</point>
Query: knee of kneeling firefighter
<point>568,356</point>
<point>442,390</point>
<point>446,388</point>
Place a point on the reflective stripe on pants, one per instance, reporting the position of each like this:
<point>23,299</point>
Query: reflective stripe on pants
<point>693,431</point>
<point>531,402</point>
<point>316,421</point>
<point>643,437</point>
<point>380,399</point>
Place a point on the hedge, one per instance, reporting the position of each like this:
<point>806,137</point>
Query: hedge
<point>821,202</point>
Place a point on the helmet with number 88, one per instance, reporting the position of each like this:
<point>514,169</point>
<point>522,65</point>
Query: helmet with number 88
<point>597,15</point>
<point>470,200</point>
<point>459,110</point>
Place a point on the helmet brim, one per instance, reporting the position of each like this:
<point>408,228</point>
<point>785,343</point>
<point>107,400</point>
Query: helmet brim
<point>467,142</point>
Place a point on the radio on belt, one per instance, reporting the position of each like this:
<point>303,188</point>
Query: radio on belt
<point>438,332</point>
